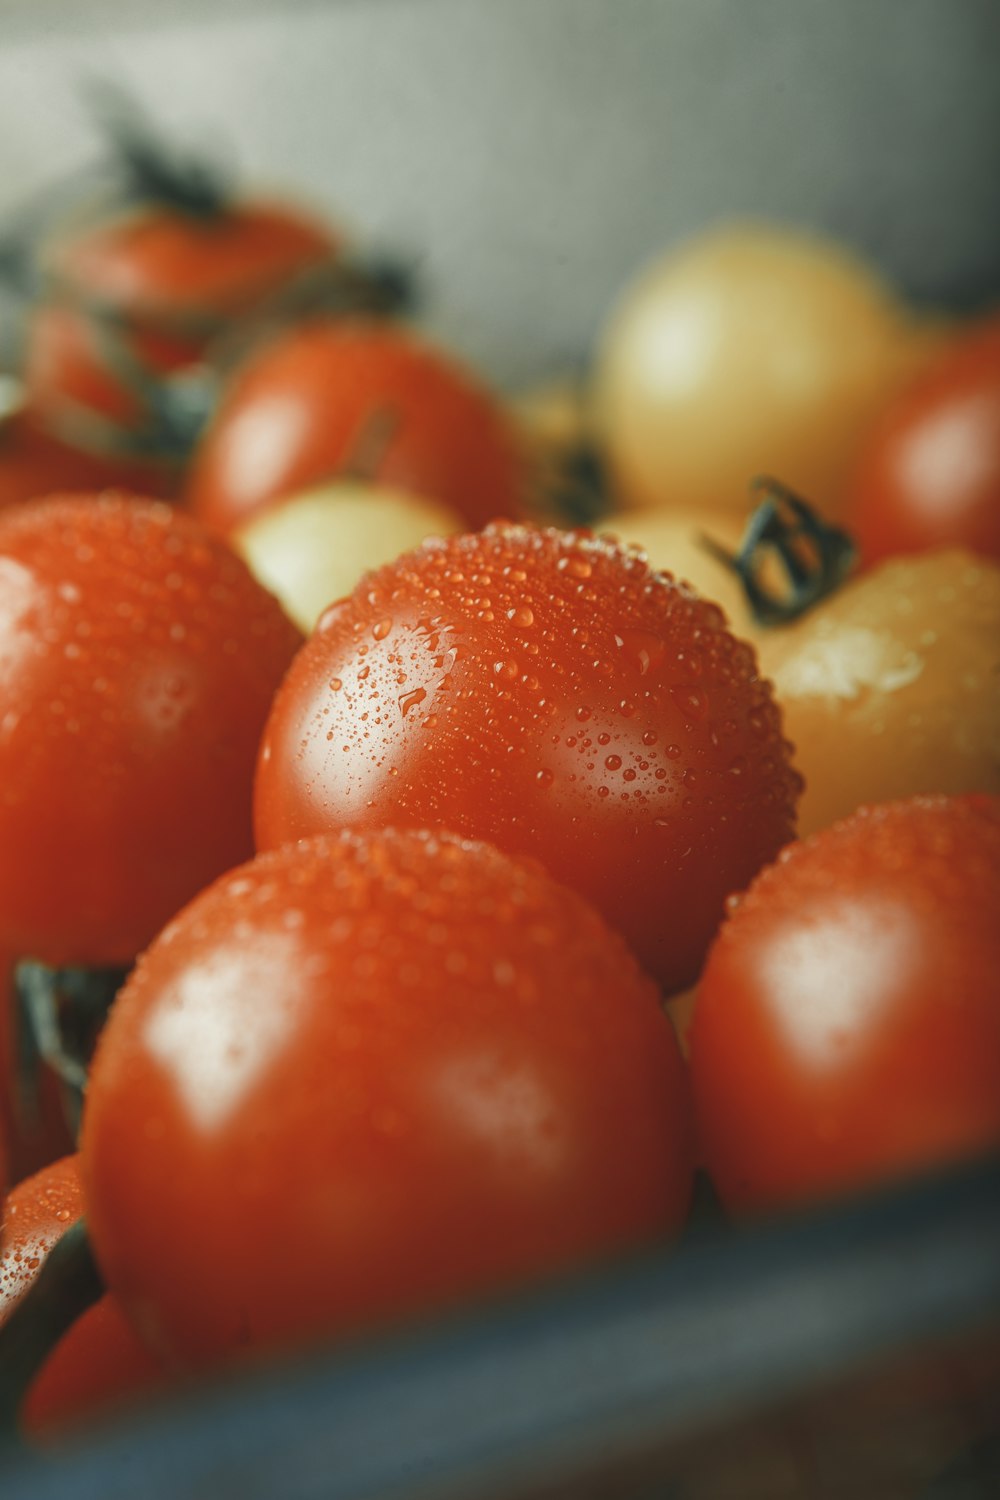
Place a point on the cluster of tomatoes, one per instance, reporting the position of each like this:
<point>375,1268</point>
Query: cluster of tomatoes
<point>395,908</point>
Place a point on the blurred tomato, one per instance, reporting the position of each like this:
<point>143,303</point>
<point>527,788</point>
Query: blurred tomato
<point>750,350</point>
<point>847,1025</point>
<point>929,474</point>
<point>331,396</point>
<point>313,548</point>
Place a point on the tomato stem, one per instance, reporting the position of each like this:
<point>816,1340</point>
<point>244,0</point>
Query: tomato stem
<point>815,555</point>
<point>67,1284</point>
<point>60,1014</point>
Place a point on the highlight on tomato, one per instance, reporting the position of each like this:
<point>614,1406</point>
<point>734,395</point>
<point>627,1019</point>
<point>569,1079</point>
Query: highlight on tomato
<point>546,691</point>
<point>928,475</point>
<point>364,1077</point>
<point>847,1027</point>
<point>140,658</point>
<point>335,398</point>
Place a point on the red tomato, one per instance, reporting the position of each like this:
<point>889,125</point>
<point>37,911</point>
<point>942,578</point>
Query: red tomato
<point>152,289</point>
<point>847,1024</point>
<point>929,475</point>
<point>304,406</point>
<point>139,658</point>
<point>364,1077</point>
<point>546,691</point>
<point>99,1363</point>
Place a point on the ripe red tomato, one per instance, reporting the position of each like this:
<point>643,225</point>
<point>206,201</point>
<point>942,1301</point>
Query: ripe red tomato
<point>929,475</point>
<point>304,405</point>
<point>546,691</point>
<point>138,659</point>
<point>847,1024</point>
<point>98,1364</point>
<point>151,290</point>
<point>363,1077</point>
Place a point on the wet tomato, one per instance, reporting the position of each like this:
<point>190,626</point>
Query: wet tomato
<point>548,692</point>
<point>330,395</point>
<point>891,686</point>
<point>364,1077</point>
<point>751,350</point>
<point>138,658</point>
<point>847,1025</point>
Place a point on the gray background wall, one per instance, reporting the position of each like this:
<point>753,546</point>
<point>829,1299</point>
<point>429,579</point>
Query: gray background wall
<point>535,152</point>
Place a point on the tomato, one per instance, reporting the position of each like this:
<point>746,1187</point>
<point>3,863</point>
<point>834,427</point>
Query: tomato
<point>138,659</point>
<point>750,350</point>
<point>141,295</point>
<point>929,474</point>
<point>98,1365</point>
<point>891,686</point>
<point>311,402</point>
<point>313,547</point>
<point>364,1077</point>
<point>546,691</point>
<point>847,1025</point>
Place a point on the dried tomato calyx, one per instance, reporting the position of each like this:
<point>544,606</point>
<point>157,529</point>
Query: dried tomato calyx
<point>60,1013</point>
<point>789,557</point>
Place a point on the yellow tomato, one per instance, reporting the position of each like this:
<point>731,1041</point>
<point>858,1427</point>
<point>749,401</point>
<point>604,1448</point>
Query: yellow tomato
<point>313,547</point>
<point>750,350</point>
<point>891,687</point>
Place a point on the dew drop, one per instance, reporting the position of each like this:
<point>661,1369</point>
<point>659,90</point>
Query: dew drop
<point>411,699</point>
<point>613,762</point>
<point>382,627</point>
<point>544,778</point>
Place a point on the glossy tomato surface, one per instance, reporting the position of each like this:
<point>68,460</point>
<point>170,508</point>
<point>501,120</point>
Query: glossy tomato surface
<point>364,1077</point>
<point>330,394</point>
<point>891,687</point>
<point>929,475</point>
<point>98,1364</point>
<point>847,1024</point>
<point>546,691</point>
<point>138,658</point>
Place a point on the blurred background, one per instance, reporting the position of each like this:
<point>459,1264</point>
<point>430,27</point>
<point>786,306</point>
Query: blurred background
<point>529,155</point>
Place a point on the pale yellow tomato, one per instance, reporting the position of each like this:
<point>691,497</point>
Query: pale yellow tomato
<point>313,547</point>
<point>891,687</point>
<point>752,349</point>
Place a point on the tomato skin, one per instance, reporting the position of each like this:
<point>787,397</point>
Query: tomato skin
<point>846,1027</point>
<point>891,686</point>
<point>99,1363</point>
<point>139,659</point>
<point>929,474</point>
<point>296,412</point>
<point>545,691</point>
<point>364,1077</point>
